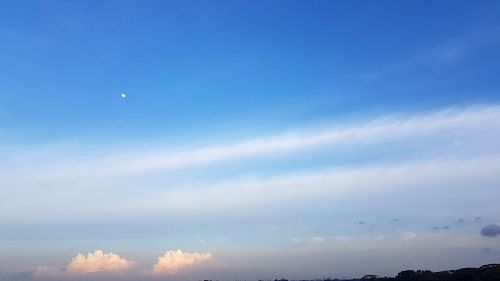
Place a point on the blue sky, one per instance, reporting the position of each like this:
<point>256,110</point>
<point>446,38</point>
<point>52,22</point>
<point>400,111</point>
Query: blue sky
<point>263,139</point>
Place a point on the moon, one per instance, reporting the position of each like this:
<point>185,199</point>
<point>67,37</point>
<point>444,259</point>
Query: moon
<point>123,95</point>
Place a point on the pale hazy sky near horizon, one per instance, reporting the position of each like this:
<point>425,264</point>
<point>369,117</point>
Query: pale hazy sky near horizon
<point>257,139</point>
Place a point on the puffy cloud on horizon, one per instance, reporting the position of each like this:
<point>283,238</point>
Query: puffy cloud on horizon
<point>173,261</point>
<point>99,262</point>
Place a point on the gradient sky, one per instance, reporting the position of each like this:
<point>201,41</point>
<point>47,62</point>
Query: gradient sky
<point>263,139</point>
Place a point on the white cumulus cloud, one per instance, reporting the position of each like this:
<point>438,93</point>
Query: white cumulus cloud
<point>173,261</point>
<point>98,262</point>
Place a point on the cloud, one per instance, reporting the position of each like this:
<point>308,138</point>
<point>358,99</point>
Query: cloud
<point>448,51</point>
<point>204,189</point>
<point>389,127</point>
<point>99,262</point>
<point>491,230</point>
<point>316,184</point>
<point>173,261</point>
<point>317,239</point>
<point>409,236</point>
<point>48,271</point>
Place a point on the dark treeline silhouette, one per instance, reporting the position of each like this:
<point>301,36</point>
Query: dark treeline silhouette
<point>489,272</point>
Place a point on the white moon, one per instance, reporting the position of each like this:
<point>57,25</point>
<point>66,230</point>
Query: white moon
<point>124,95</point>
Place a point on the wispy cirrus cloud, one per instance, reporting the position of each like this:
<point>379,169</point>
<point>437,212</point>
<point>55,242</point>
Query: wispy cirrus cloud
<point>444,53</point>
<point>392,128</point>
<point>455,146</point>
<point>248,192</point>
